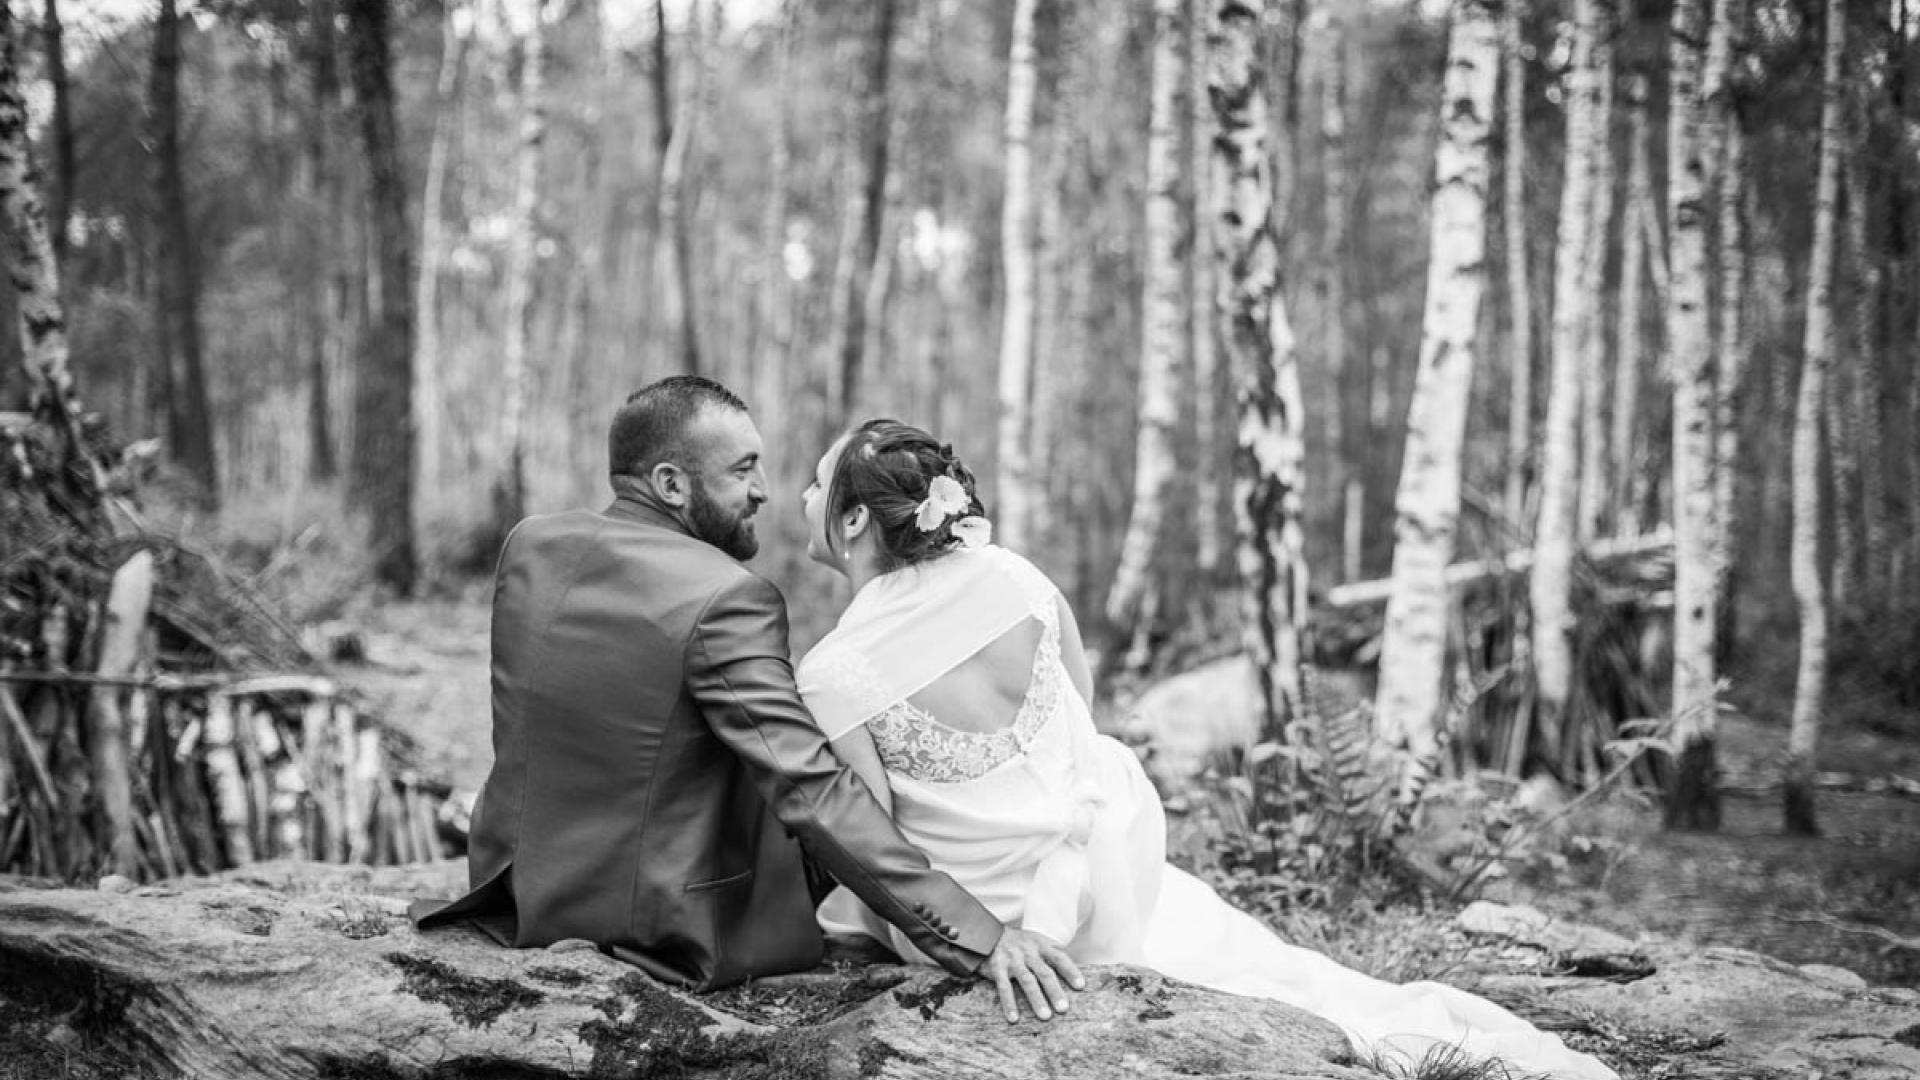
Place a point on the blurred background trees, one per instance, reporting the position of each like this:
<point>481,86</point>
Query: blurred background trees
<point>436,242</point>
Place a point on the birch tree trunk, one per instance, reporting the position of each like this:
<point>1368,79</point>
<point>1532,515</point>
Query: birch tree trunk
<point>189,430</point>
<point>1631,336</point>
<point>1259,345</point>
<point>1551,586</point>
<point>775,316</point>
<point>1810,688</point>
<point>1413,651</point>
<point>510,488</point>
<point>1202,304</point>
<point>1692,801</point>
<point>383,445</point>
<point>427,404</point>
<point>33,270</point>
<point>1513,214</point>
<point>1013,487</point>
<point>1344,483</point>
<point>109,746</point>
<point>1594,485</point>
<point>866,209</point>
<point>64,169</point>
<point>1163,335</point>
<point>1730,185</point>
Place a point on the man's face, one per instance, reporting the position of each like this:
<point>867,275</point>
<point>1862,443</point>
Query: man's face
<point>727,481</point>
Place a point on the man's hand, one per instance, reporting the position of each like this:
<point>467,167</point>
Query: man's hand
<point>1032,961</point>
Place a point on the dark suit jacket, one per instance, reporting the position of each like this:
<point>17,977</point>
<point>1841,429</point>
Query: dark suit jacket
<point>653,764</point>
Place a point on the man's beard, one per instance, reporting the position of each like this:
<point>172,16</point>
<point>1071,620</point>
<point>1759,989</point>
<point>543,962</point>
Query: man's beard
<point>731,533</point>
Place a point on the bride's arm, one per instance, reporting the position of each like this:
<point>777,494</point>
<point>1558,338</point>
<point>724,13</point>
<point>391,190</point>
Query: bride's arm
<point>1074,653</point>
<point>857,750</point>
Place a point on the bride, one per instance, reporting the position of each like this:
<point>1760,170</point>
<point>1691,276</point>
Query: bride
<point>955,685</point>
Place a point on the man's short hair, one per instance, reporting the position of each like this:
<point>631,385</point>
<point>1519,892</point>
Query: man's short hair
<point>651,427</point>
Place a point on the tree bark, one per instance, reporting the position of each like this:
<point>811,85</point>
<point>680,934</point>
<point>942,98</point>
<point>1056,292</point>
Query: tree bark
<point>60,209</point>
<point>1730,184</point>
<point>510,489</point>
<point>428,405</point>
<point>124,626</point>
<point>775,333</point>
<point>676,207</point>
<point>1163,336</point>
<point>1864,255</point>
<point>1345,485</point>
<point>322,191</point>
<point>1258,342</point>
<point>1551,588</point>
<point>1202,306</point>
<point>1590,520</point>
<point>1810,686</point>
<point>319,974</point>
<point>381,481</point>
<point>34,271</point>
<point>1413,648</point>
<point>189,426</point>
<point>1013,486</point>
<point>1513,213</point>
<point>1692,800</point>
<point>1630,339</point>
<point>866,208</point>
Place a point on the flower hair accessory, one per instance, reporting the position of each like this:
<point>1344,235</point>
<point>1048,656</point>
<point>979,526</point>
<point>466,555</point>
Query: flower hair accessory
<point>973,531</point>
<point>945,498</point>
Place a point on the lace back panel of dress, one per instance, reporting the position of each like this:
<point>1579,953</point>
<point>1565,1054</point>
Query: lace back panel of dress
<point>913,743</point>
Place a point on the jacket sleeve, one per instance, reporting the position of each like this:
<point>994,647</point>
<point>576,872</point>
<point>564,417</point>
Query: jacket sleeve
<point>739,673</point>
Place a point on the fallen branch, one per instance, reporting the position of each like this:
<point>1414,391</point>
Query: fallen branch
<point>1462,574</point>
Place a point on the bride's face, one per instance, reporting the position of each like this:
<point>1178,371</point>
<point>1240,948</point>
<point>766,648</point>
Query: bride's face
<point>814,501</point>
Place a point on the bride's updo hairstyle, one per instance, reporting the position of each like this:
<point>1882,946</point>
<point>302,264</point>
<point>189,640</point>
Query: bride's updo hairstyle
<point>886,466</point>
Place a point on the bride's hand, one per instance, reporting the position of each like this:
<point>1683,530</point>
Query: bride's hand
<point>1033,961</point>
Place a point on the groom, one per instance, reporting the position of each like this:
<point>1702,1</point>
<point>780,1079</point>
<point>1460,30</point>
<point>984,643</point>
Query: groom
<point>653,763</point>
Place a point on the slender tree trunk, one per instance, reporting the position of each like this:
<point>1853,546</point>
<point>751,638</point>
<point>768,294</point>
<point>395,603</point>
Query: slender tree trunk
<point>1202,303</point>
<point>1692,800</point>
<point>776,314</point>
<point>1013,487</point>
<point>1810,688</point>
<point>867,207</point>
<point>1513,213</point>
<point>60,209</point>
<point>323,245</point>
<point>428,406</point>
<point>1594,484</point>
<point>189,427</point>
<point>1551,587</point>
<point>1259,345</point>
<point>676,206</point>
<point>1163,338</point>
<point>1631,336</point>
<point>1427,509</point>
<point>1730,185</point>
<point>1345,484</point>
<point>510,489</point>
<point>381,480</point>
<point>33,270</point>
<point>1863,254</point>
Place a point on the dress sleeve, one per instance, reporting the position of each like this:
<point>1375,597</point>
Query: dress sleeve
<point>738,672</point>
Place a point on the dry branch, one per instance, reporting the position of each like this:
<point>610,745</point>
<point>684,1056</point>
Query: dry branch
<point>1464,574</point>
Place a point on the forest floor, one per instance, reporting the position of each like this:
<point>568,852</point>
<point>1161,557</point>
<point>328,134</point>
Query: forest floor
<point>1849,898</point>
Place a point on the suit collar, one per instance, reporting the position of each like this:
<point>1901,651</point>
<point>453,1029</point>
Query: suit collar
<point>627,508</point>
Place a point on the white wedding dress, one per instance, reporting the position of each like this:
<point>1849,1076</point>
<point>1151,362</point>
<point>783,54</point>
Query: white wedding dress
<point>1056,828</point>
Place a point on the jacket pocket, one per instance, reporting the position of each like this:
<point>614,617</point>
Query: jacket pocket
<point>740,878</point>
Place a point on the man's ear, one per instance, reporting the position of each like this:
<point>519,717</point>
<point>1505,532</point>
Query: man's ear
<point>670,483</point>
